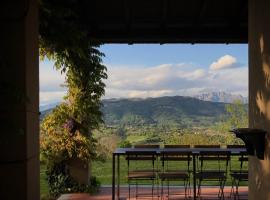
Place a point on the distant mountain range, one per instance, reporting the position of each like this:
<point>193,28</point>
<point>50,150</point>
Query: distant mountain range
<point>214,96</point>
<point>48,106</point>
<point>221,97</point>
<point>202,110</point>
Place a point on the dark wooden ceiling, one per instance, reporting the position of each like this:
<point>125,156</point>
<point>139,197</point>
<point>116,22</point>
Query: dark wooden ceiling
<point>168,21</point>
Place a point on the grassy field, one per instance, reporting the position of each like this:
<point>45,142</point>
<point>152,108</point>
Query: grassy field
<point>136,138</point>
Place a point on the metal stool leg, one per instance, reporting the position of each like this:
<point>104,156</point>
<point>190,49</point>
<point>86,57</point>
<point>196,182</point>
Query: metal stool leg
<point>220,189</point>
<point>199,189</point>
<point>190,192</point>
<point>136,193</point>
<point>128,190</point>
<point>185,185</point>
<point>152,189</point>
<point>161,190</point>
<point>236,189</point>
<point>232,188</point>
<point>168,188</point>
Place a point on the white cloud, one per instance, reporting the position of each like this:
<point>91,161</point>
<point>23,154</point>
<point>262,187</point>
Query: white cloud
<point>51,84</point>
<point>51,97</point>
<point>150,93</point>
<point>194,75</point>
<point>173,79</point>
<point>233,80</point>
<point>50,79</point>
<point>225,62</point>
<point>159,77</point>
<point>161,80</point>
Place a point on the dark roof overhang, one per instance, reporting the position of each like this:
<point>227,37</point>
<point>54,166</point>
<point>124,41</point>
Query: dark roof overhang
<point>167,21</point>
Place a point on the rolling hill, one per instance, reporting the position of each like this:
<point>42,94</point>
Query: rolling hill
<point>177,110</point>
<point>174,111</point>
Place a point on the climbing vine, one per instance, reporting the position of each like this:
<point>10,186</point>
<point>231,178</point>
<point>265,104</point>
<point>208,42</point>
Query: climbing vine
<point>66,132</point>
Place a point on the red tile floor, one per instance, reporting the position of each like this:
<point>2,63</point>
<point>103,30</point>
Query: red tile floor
<point>105,194</point>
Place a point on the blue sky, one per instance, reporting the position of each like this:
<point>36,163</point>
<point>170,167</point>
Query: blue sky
<point>157,70</point>
<point>151,55</point>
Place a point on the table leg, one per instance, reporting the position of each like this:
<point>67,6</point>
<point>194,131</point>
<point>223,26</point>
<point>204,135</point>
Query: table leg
<point>113,177</point>
<point>118,177</point>
<point>194,176</point>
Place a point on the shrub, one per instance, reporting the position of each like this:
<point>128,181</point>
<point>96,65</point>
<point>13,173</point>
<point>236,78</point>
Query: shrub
<point>61,182</point>
<point>125,144</point>
<point>61,141</point>
<point>106,145</point>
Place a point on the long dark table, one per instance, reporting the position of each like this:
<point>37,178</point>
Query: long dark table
<point>195,152</point>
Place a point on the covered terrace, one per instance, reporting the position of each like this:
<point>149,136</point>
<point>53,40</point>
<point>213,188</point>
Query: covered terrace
<point>125,21</point>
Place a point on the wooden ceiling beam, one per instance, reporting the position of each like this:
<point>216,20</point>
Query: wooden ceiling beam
<point>181,36</point>
<point>128,22</point>
<point>163,25</point>
<point>202,9</point>
<point>164,13</point>
<point>236,19</point>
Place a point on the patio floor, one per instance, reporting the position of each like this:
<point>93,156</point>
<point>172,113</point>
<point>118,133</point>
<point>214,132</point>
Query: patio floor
<point>105,194</point>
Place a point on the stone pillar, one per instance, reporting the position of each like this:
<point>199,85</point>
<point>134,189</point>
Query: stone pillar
<point>19,102</point>
<point>259,93</point>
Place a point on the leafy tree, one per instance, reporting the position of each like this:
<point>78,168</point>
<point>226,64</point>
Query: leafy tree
<point>237,115</point>
<point>121,132</point>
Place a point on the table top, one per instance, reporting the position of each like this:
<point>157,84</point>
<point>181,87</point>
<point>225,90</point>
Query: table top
<point>123,151</point>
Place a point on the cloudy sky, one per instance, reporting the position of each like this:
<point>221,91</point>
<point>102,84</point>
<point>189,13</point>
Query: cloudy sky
<point>159,70</point>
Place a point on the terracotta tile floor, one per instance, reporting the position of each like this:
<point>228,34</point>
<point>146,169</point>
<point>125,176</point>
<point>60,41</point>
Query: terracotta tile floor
<point>105,194</point>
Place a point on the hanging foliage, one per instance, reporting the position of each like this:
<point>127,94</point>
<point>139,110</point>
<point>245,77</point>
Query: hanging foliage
<point>64,39</point>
